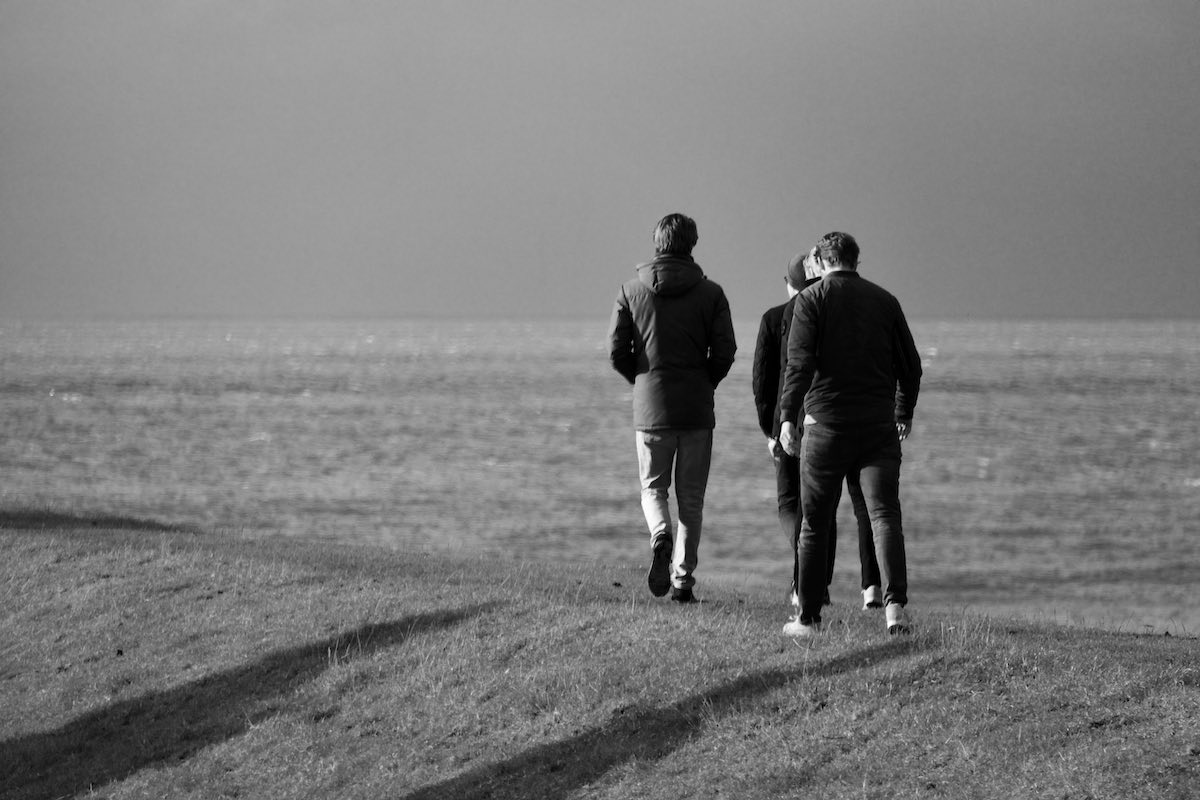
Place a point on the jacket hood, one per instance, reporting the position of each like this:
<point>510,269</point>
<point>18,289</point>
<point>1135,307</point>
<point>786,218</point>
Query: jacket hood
<point>669,275</point>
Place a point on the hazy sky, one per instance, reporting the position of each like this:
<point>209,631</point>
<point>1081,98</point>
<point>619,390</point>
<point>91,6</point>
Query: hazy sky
<point>494,158</point>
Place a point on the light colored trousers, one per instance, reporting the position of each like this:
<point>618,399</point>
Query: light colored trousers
<point>687,454</point>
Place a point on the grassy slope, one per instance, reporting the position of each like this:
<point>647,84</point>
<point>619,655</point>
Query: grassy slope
<point>140,661</point>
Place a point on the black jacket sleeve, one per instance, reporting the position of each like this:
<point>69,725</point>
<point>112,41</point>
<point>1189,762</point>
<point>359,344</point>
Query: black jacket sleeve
<point>907,365</point>
<point>621,350</point>
<point>764,377</point>
<point>723,344</point>
<point>801,358</point>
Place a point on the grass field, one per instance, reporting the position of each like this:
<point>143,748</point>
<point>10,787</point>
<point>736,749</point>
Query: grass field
<point>145,660</point>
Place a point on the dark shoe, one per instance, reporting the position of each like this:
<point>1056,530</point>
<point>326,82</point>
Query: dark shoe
<point>659,579</point>
<point>683,595</point>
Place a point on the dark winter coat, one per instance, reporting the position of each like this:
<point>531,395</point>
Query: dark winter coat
<point>850,355</point>
<point>671,336</point>
<point>770,359</point>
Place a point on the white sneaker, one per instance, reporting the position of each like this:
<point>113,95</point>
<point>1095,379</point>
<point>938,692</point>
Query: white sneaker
<point>795,627</point>
<point>897,619</point>
<point>872,597</point>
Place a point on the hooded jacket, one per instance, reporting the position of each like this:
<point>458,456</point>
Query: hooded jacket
<point>671,336</point>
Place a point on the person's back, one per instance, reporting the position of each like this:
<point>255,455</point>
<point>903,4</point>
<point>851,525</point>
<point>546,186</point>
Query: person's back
<point>866,349</point>
<point>766,371</point>
<point>683,343</point>
<point>671,336</point>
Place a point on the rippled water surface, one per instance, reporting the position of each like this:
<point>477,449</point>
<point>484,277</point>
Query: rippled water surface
<point>1053,468</point>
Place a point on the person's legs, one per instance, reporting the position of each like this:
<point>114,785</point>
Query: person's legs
<point>879,477</point>
<point>866,539</point>
<point>823,464</point>
<point>787,492</point>
<point>656,456</point>
<point>794,531</point>
<point>831,553</point>
<point>692,462</point>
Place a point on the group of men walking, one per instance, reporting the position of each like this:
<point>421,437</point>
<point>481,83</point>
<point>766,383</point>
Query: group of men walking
<point>835,378</point>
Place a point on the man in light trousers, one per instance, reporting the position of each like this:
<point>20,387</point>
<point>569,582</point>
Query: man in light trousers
<point>671,336</point>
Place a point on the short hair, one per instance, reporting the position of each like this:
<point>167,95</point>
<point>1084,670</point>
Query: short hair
<point>810,263</point>
<point>838,248</point>
<point>675,234</point>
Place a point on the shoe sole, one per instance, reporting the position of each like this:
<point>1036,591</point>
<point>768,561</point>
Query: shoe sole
<point>803,632</point>
<point>659,579</point>
<point>898,624</point>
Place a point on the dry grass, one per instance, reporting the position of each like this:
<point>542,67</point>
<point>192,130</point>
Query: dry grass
<point>145,661</point>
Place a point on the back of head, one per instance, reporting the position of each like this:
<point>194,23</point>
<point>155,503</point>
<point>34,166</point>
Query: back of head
<point>838,249</point>
<point>797,271</point>
<point>675,234</point>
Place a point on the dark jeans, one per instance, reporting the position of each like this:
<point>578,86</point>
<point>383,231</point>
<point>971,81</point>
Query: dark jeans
<point>787,488</point>
<point>828,455</point>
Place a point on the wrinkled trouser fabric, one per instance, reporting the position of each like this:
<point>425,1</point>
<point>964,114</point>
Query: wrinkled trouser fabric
<point>787,490</point>
<point>828,454</point>
<point>684,456</point>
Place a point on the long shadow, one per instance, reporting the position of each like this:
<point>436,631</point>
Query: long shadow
<point>114,742</point>
<point>554,770</point>
<point>54,520</point>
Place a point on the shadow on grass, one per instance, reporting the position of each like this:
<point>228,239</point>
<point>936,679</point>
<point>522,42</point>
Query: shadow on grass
<point>553,770</point>
<point>167,727</point>
<point>33,519</point>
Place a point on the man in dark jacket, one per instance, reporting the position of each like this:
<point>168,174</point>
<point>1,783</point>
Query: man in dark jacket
<point>671,336</point>
<point>853,373</point>
<point>770,361</point>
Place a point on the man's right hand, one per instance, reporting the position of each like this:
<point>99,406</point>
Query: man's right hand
<point>789,439</point>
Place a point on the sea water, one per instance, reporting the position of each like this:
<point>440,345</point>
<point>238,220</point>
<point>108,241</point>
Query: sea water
<point>1052,469</point>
